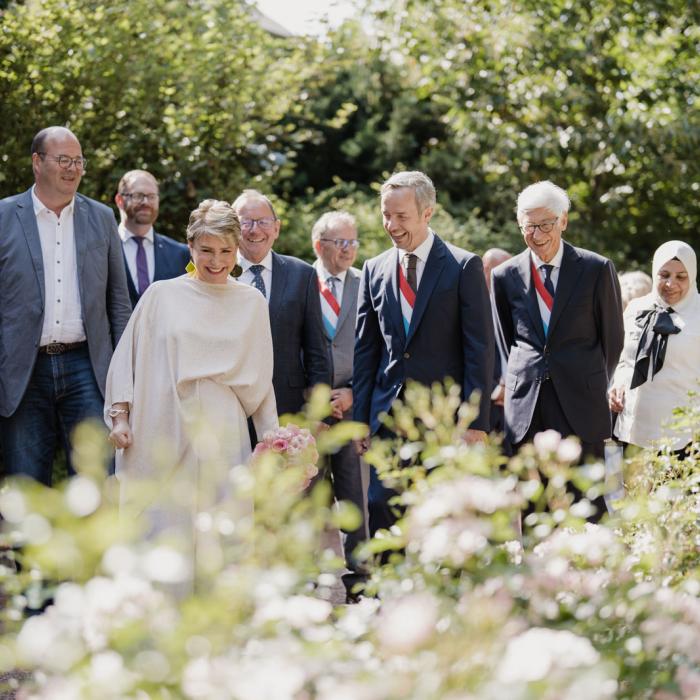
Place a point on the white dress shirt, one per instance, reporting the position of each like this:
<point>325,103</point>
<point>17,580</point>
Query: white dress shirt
<point>421,252</point>
<point>63,316</point>
<point>247,276</point>
<point>324,275</point>
<point>131,247</point>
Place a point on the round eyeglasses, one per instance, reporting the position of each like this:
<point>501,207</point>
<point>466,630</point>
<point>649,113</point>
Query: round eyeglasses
<point>545,227</point>
<point>139,197</point>
<point>65,162</point>
<point>266,223</point>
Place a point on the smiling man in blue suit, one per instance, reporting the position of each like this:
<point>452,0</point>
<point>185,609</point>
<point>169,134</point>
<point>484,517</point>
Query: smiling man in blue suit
<point>423,315</point>
<point>148,256</point>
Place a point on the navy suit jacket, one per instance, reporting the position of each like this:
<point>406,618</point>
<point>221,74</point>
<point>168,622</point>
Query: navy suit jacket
<point>451,332</point>
<point>298,339</point>
<point>101,280</point>
<point>580,351</point>
<point>171,258</point>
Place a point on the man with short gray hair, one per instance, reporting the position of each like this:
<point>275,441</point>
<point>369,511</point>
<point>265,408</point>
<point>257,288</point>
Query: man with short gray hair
<point>290,287</point>
<point>335,243</point>
<point>423,315</point>
<point>561,320</point>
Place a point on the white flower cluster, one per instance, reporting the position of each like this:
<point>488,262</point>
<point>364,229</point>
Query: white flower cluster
<point>450,524</point>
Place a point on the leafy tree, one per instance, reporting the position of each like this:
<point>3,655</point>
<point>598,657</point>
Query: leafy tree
<point>193,92</point>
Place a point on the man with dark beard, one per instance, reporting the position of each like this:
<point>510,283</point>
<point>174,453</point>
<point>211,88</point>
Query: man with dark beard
<point>148,256</point>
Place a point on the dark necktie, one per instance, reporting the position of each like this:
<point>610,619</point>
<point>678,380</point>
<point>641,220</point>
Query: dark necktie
<point>141,266</point>
<point>411,276</point>
<point>548,285</point>
<point>258,281</point>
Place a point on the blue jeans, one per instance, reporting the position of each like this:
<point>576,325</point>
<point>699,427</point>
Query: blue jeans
<point>61,393</point>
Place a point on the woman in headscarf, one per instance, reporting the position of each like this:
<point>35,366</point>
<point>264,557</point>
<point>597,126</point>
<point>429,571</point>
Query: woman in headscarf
<point>660,362</point>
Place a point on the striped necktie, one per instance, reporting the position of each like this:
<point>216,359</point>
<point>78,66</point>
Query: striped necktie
<point>406,293</point>
<point>330,309</point>
<point>545,293</point>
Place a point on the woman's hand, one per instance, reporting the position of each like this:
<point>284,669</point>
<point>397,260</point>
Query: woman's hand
<point>121,436</point>
<point>616,399</point>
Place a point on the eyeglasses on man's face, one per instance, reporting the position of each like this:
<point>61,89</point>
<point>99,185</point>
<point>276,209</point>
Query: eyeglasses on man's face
<point>342,243</point>
<point>545,227</point>
<point>139,197</point>
<point>65,162</point>
<point>266,223</point>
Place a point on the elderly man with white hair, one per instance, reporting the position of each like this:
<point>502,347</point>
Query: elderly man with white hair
<point>560,315</point>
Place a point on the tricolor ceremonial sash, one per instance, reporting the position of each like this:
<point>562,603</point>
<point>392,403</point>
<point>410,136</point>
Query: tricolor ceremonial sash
<point>408,299</point>
<point>330,309</point>
<point>544,299</point>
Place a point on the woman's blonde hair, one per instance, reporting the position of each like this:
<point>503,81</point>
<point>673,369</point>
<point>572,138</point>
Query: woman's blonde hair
<point>214,217</point>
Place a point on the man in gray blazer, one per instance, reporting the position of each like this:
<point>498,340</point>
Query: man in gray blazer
<point>291,289</point>
<point>63,306</point>
<point>334,240</point>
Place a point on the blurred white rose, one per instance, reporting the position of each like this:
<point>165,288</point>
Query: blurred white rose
<point>533,655</point>
<point>406,623</point>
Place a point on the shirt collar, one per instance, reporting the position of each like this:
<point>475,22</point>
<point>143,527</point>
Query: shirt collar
<point>422,251</point>
<point>266,262</point>
<point>324,274</point>
<point>125,234</point>
<point>554,262</point>
<point>40,207</point>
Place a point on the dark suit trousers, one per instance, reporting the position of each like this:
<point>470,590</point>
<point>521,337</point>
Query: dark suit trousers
<point>347,486</point>
<point>549,415</point>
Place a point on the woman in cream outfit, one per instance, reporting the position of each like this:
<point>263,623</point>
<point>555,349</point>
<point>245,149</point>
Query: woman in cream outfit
<point>194,363</point>
<point>660,362</point>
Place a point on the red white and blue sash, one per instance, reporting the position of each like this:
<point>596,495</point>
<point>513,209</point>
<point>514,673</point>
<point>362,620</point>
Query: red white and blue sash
<point>330,309</point>
<point>544,299</point>
<point>408,299</point>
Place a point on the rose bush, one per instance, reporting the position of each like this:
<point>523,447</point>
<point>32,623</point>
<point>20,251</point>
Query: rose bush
<point>465,606</point>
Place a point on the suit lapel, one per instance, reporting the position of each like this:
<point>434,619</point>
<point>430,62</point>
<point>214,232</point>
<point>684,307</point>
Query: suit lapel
<point>568,279</point>
<point>27,218</point>
<point>81,231</point>
<point>429,278</point>
<point>522,273</point>
<point>390,291</point>
<point>158,262</point>
<point>279,282</point>
<point>350,289</point>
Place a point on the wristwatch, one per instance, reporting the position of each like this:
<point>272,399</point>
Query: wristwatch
<point>114,412</point>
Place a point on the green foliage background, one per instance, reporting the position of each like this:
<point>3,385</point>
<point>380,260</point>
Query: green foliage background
<point>485,96</point>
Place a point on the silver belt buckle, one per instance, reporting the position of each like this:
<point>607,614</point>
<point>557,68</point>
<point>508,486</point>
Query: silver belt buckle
<point>54,349</point>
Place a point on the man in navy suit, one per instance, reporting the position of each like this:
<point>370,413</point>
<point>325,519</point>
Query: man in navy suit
<point>560,315</point>
<point>423,315</point>
<point>148,256</point>
<point>291,288</point>
<point>63,307</point>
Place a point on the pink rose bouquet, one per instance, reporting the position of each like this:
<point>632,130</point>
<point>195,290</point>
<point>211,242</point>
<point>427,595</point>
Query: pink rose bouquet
<point>296,445</point>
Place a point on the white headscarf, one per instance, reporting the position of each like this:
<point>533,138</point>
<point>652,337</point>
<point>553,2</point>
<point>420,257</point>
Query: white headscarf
<point>682,251</point>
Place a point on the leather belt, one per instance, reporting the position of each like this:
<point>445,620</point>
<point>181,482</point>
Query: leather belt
<point>60,348</point>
